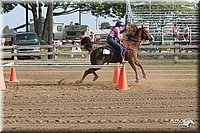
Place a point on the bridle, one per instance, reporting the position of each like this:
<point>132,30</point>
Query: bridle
<point>144,33</point>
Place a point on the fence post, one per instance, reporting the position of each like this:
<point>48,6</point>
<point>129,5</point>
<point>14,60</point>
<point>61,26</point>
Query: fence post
<point>190,34</point>
<point>15,52</point>
<point>176,51</point>
<point>162,31</point>
<point>55,51</point>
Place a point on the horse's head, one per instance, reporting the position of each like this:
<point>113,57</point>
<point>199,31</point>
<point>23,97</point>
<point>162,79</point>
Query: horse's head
<point>137,35</point>
<point>87,43</point>
<point>146,35</point>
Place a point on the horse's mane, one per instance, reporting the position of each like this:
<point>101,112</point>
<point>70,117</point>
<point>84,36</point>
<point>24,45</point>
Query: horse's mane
<point>131,30</point>
<point>87,43</point>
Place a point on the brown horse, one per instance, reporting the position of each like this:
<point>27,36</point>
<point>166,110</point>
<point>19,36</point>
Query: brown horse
<point>131,43</point>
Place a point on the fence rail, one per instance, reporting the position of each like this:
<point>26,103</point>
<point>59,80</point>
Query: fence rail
<point>55,65</point>
<point>175,48</point>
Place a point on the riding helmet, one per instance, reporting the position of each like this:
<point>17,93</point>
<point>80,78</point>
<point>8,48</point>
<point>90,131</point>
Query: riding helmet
<point>119,23</point>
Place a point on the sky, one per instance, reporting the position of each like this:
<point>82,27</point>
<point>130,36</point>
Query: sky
<point>17,17</point>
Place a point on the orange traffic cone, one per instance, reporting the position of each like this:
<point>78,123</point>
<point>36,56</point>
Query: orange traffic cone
<point>122,85</point>
<point>2,81</point>
<point>13,77</point>
<point>116,75</point>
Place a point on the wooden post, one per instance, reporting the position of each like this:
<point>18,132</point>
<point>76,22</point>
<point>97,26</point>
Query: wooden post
<point>50,32</point>
<point>55,51</point>
<point>15,52</point>
<point>176,51</point>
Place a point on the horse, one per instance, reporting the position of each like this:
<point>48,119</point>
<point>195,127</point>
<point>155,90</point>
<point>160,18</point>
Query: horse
<point>131,44</point>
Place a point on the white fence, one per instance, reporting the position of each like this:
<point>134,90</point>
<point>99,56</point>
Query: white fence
<point>52,65</point>
<point>176,48</point>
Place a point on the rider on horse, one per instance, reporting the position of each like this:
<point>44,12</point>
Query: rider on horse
<point>114,39</point>
<point>132,40</point>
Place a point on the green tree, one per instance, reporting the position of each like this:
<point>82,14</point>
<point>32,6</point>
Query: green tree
<point>34,7</point>
<point>6,29</point>
<point>108,9</point>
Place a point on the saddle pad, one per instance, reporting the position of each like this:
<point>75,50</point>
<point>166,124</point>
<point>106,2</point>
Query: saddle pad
<point>106,51</point>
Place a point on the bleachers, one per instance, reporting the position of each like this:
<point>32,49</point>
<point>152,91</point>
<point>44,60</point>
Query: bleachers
<point>161,22</point>
<point>161,28</point>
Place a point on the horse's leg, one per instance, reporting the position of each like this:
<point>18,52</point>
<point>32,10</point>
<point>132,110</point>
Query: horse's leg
<point>89,71</point>
<point>95,75</point>
<point>134,68</point>
<point>101,61</point>
<point>142,69</point>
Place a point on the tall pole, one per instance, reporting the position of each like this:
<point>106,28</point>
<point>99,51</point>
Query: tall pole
<point>80,15</point>
<point>129,13</point>
<point>126,16</point>
<point>50,32</point>
<point>96,23</point>
<point>150,6</point>
<point>26,17</point>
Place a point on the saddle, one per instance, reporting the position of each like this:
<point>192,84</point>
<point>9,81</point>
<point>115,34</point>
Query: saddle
<point>109,48</point>
<point>114,52</point>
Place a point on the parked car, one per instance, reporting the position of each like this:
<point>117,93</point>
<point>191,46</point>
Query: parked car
<point>7,39</point>
<point>27,39</point>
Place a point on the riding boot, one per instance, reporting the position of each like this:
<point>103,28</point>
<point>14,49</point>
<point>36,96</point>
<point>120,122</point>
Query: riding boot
<point>124,61</point>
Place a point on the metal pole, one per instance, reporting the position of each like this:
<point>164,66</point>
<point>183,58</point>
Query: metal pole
<point>80,15</point>
<point>190,34</point>
<point>129,14</point>
<point>150,6</point>
<point>96,23</point>
<point>162,35</point>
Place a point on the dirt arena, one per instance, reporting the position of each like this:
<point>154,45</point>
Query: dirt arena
<point>160,103</point>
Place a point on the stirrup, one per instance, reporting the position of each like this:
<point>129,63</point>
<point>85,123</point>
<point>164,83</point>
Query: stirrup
<point>123,62</point>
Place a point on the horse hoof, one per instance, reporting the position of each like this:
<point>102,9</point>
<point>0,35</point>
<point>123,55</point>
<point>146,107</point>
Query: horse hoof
<point>145,76</point>
<point>95,78</point>
<point>137,81</point>
<point>78,82</point>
